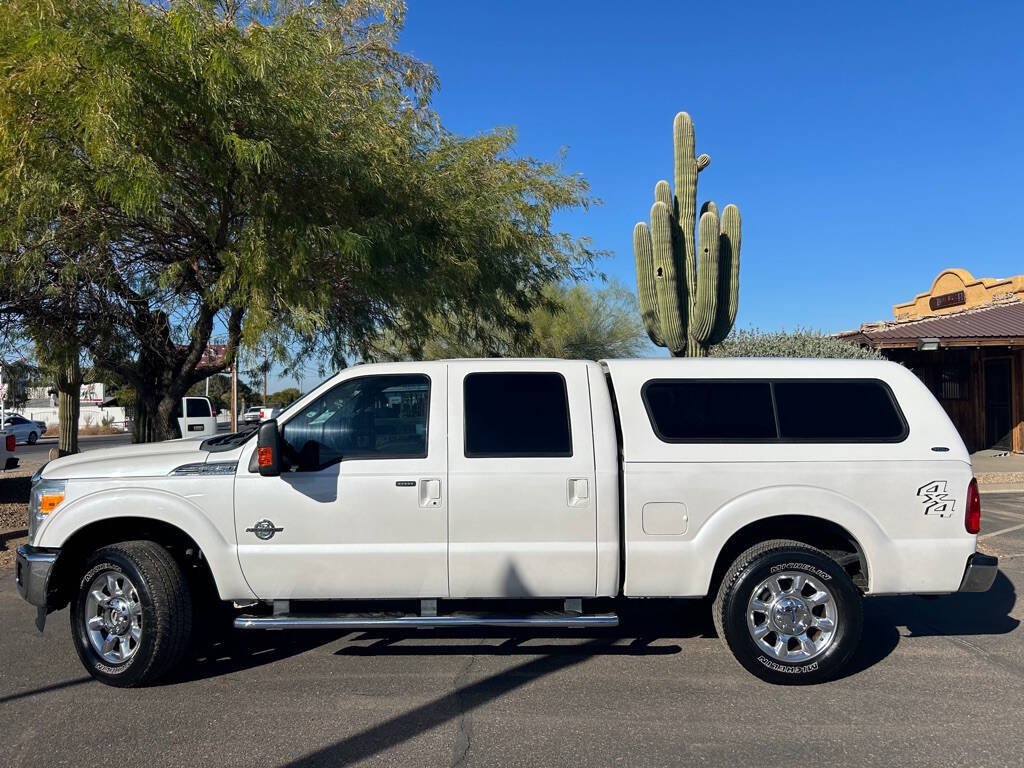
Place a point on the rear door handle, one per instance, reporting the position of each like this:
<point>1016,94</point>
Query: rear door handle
<point>430,492</point>
<point>578,491</point>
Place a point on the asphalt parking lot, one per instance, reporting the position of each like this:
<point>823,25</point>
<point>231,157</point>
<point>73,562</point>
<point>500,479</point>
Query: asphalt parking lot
<point>938,682</point>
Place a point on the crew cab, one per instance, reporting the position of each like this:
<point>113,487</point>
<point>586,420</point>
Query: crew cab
<point>417,495</point>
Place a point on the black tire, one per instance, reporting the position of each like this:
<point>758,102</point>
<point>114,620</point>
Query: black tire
<point>166,612</point>
<point>751,569</point>
<point>32,437</point>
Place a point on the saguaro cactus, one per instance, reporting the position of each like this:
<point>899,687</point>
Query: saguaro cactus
<point>688,303</point>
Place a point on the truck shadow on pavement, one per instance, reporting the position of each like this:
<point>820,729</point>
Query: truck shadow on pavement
<point>240,650</point>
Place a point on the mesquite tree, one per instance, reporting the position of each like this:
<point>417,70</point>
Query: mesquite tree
<point>251,169</point>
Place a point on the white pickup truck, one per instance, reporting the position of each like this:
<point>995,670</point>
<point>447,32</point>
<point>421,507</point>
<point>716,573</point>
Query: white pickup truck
<point>406,494</point>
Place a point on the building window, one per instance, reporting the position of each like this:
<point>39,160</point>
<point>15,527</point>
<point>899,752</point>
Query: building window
<point>953,381</point>
<point>516,415</point>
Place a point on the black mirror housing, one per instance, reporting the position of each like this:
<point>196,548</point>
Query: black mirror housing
<point>268,449</point>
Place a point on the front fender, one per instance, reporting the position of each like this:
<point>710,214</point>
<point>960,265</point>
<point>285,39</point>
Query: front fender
<point>153,504</point>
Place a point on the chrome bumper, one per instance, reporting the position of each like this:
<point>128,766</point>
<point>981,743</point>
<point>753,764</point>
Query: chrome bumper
<point>32,573</point>
<point>980,573</point>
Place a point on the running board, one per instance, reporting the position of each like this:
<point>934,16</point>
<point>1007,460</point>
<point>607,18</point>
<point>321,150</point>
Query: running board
<point>552,620</point>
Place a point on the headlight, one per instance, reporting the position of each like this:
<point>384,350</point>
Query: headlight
<point>46,496</point>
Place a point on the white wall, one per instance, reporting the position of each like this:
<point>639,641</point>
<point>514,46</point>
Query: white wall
<point>91,415</point>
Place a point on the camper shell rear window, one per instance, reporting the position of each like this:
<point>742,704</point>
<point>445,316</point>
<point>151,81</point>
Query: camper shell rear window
<point>773,411</point>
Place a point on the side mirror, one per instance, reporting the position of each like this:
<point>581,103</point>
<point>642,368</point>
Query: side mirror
<point>268,449</point>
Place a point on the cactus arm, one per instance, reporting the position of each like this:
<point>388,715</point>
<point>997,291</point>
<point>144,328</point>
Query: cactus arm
<point>643,250</point>
<point>729,277</point>
<point>666,279</point>
<point>686,197</point>
<point>709,206</point>
<point>663,194</point>
<point>706,301</point>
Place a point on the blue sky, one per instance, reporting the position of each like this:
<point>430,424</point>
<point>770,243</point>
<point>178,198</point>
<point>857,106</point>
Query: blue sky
<point>868,145</point>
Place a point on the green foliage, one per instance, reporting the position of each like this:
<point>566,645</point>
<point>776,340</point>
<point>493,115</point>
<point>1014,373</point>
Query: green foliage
<point>269,171</point>
<point>220,392</point>
<point>800,342</point>
<point>688,304</point>
<point>284,397</point>
<point>575,322</point>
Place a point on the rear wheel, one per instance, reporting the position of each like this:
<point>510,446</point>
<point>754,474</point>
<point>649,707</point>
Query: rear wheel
<point>789,613</point>
<point>132,614</point>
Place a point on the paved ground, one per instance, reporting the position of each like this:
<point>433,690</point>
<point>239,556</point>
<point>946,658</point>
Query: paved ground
<point>37,454</point>
<point>938,682</point>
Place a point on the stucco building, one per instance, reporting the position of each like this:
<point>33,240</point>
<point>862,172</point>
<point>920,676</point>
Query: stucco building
<point>965,338</point>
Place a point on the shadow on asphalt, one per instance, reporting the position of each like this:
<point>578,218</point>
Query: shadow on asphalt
<point>241,650</point>
<point>45,689</point>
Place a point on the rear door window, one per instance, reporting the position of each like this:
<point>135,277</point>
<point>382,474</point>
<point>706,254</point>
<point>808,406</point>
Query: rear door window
<point>197,408</point>
<point>516,415</point>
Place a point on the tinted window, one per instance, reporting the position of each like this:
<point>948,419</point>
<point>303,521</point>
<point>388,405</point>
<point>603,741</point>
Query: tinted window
<point>371,417</point>
<point>197,409</point>
<point>693,411</point>
<point>516,414</point>
<point>837,411</point>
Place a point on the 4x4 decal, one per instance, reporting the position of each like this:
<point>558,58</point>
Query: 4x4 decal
<point>936,499</point>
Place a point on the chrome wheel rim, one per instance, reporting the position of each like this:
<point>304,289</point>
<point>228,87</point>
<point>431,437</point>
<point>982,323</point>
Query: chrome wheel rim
<point>792,616</point>
<point>113,617</point>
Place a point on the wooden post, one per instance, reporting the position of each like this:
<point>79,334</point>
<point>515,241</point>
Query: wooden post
<point>234,396</point>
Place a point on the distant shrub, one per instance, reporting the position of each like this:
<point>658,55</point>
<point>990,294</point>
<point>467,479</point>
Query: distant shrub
<point>800,342</point>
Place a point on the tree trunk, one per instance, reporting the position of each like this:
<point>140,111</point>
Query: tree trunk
<point>69,387</point>
<point>143,427</point>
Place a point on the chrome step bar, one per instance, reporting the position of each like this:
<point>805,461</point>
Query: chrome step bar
<point>548,620</point>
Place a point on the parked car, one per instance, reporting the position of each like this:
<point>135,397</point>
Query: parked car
<point>24,430</point>
<point>257,413</point>
<point>251,415</point>
<point>7,458</point>
<point>785,490</point>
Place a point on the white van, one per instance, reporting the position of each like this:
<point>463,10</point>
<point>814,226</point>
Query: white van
<point>195,417</point>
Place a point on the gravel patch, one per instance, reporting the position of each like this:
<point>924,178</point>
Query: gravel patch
<point>14,488</point>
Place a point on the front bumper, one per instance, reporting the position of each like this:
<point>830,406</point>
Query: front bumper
<point>980,572</point>
<point>32,573</point>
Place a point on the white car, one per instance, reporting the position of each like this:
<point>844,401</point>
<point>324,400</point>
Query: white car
<point>783,489</point>
<point>24,430</point>
<point>257,413</point>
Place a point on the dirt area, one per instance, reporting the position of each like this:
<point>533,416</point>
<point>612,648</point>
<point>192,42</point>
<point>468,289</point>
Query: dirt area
<point>14,487</point>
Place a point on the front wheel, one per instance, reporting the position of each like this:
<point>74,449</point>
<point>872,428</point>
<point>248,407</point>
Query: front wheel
<point>132,614</point>
<point>32,437</point>
<point>789,613</point>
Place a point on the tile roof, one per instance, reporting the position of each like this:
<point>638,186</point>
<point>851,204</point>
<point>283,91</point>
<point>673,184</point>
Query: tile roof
<point>999,321</point>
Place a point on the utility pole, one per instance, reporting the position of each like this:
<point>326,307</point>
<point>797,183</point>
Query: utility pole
<point>234,395</point>
<point>265,369</point>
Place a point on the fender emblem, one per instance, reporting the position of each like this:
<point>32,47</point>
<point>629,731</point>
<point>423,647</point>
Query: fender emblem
<point>936,499</point>
<point>264,529</point>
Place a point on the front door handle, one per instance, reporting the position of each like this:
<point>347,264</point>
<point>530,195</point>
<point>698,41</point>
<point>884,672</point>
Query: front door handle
<point>430,492</point>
